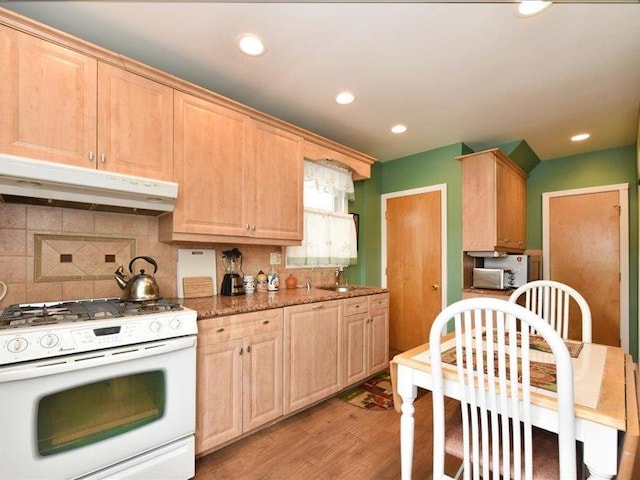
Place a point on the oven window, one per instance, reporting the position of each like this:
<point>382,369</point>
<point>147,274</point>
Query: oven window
<point>90,413</point>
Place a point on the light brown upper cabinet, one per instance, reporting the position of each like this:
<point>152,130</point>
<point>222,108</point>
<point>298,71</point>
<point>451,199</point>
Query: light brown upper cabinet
<point>493,203</point>
<point>135,124</point>
<point>240,179</point>
<point>63,106</point>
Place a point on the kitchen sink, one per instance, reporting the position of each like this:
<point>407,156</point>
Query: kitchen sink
<point>339,288</point>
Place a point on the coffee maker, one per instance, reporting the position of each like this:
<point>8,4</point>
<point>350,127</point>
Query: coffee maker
<point>232,283</point>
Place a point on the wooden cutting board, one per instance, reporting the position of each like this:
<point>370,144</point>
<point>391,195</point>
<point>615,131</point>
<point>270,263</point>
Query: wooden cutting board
<point>195,262</point>
<point>197,287</point>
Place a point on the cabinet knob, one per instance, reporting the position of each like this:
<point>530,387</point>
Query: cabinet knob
<point>103,158</point>
<point>91,156</point>
<point>435,287</point>
<point>253,227</point>
<point>248,227</point>
<point>264,322</point>
<point>248,348</point>
<point>221,329</point>
<point>240,353</point>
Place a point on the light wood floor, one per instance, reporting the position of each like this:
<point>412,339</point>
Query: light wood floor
<point>330,441</point>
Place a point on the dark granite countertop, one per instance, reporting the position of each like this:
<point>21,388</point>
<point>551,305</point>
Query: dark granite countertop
<point>488,291</point>
<point>218,305</point>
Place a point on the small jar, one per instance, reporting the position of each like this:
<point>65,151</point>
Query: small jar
<point>261,281</point>
<point>273,280</point>
<point>249,284</point>
<point>291,281</point>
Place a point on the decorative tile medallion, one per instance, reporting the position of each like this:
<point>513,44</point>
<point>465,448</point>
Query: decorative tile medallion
<point>59,258</point>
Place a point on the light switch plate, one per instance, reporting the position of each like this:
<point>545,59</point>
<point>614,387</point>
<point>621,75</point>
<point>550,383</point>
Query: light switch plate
<point>275,258</point>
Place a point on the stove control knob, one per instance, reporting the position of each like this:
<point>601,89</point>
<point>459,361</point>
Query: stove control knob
<point>155,326</point>
<point>176,323</point>
<point>17,345</point>
<point>49,341</point>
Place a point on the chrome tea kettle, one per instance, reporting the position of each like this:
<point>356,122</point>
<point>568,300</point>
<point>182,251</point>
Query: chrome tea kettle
<point>141,287</point>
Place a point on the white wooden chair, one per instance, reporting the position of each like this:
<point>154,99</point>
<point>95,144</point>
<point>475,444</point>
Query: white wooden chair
<point>494,433</point>
<point>551,300</point>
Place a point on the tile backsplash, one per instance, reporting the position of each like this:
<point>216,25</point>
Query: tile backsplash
<point>51,254</point>
<point>79,257</point>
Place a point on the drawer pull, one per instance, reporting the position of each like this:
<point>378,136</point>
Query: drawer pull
<point>240,351</point>
<point>317,307</point>
<point>221,329</point>
<point>264,322</point>
<point>248,348</point>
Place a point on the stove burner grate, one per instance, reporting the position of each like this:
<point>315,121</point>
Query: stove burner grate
<point>24,315</point>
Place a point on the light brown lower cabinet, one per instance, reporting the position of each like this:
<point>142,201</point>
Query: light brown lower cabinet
<point>239,375</point>
<point>255,367</point>
<point>312,353</point>
<point>365,336</point>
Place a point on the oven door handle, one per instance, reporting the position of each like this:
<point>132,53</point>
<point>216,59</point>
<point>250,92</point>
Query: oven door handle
<point>56,365</point>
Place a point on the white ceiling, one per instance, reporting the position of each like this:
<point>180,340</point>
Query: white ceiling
<point>453,72</point>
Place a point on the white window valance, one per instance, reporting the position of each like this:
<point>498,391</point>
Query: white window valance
<point>329,178</point>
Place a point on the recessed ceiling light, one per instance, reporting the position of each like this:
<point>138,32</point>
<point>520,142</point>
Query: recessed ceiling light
<point>528,8</point>
<point>399,128</point>
<point>251,44</point>
<point>579,137</point>
<point>344,98</point>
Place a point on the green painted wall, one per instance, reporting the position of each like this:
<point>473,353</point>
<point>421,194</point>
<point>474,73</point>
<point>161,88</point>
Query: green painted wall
<point>439,166</point>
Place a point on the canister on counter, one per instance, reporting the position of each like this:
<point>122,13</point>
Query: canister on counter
<point>249,284</point>
<point>261,281</point>
<point>273,280</point>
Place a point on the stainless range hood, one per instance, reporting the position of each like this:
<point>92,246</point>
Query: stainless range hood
<point>24,180</point>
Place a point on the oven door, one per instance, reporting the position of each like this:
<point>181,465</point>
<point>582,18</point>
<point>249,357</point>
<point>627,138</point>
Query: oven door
<point>67,417</point>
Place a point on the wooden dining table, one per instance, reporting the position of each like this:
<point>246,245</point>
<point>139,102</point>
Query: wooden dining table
<point>604,390</point>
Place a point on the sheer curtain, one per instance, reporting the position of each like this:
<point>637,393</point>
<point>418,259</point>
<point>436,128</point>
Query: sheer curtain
<point>329,231</point>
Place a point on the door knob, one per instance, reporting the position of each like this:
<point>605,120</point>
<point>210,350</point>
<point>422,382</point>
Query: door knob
<point>435,287</point>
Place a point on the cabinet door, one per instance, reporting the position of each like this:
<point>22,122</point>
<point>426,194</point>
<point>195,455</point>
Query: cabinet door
<point>378,340</point>
<point>209,164</point>
<point>135,124</point>
<point>277,182</point>
<point>219,393</point>
<point>262,379</point>
<point>478,202</point>
<point>355,347</point>
<point>312,353</point>
<point>48,107</point>
<point>511,208</point>
<point>378,332</point>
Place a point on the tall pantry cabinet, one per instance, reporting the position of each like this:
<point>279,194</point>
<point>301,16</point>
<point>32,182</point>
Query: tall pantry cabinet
<point>63,106</point>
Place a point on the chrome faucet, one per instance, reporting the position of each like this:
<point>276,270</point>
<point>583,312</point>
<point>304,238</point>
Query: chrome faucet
<point>310,277</point>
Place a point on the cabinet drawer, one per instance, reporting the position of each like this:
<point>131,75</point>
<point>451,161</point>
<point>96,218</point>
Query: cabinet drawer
<point>221,329</point>
<point>355,305</point>
<point>379,301</point>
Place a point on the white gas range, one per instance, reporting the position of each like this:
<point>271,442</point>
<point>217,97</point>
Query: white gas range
<point>98,389</point>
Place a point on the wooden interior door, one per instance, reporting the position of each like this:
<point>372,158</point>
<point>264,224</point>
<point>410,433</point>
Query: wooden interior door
<point>584,252</point>
<point>414,267</point>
